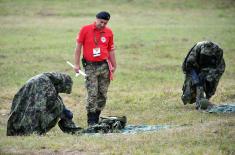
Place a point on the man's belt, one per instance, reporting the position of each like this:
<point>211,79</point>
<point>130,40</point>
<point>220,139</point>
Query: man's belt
<point>96,63</point>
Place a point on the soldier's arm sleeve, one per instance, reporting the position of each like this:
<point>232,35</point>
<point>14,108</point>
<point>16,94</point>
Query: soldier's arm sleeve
<point>195,77</point>
<point>220,68</point>
<point>191,61</point>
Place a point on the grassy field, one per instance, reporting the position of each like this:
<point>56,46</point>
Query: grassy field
<point>152,38</point>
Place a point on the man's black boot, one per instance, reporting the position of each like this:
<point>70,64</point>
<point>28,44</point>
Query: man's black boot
<point>92,118</point>
<point>97,116</point>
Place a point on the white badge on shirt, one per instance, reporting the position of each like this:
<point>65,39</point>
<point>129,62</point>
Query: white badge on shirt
<point>96,52</point>
<point>103,39</point>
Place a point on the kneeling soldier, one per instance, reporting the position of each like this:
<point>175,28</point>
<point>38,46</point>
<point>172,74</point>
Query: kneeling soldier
<point>37,106</point>
<point>203,68</point>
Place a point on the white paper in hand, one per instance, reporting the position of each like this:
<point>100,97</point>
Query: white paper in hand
<point>79,72</point>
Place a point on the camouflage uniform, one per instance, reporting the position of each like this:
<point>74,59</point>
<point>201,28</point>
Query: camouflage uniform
<point>37,107</point>
<point>97,82</point>
<point>206,59</point>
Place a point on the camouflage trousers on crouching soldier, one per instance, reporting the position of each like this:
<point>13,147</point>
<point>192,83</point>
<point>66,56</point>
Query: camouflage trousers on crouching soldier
<point>208,82</point>
<point>97,82</point>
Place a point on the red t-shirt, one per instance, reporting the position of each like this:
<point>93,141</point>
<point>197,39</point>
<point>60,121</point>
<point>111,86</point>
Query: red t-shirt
<point>104,41</point>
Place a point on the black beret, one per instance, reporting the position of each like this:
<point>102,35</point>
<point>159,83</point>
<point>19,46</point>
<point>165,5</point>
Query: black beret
<point>103,15</point>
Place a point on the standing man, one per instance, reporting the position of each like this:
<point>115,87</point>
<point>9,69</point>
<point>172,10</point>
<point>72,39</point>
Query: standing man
<point>98,61</point>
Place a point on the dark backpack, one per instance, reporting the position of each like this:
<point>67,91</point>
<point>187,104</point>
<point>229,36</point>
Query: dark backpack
<point>108,124</point>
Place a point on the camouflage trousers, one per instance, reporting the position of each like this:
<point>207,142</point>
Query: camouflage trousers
<point>189,90</point>
<point>97,83</point>
<point>41,121</point>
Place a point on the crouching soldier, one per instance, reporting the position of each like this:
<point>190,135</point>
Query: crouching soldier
<point>203,68</point>
<point>37,106</point>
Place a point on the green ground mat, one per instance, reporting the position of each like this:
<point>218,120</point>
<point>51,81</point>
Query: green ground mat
<point>223,108</point>
<point>143,128</point>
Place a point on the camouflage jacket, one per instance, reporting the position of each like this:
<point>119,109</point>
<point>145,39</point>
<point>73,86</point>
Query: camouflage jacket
<point>206,57</point>
<point>37,106</point>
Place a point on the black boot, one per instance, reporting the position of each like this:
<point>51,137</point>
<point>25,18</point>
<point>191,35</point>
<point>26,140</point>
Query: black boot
<point>68,126</point>
<point>97,116</point>
<point>92,118</point>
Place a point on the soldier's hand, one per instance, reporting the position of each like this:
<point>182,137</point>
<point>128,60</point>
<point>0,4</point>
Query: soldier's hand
<point>77,68</point>
<point>113,69</point>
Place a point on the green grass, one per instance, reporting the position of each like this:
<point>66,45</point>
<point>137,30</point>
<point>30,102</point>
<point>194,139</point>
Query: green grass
<point>152,38</point>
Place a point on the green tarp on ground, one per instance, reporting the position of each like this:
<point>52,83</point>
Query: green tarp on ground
<point>143,128</point>
<point>225,108</point>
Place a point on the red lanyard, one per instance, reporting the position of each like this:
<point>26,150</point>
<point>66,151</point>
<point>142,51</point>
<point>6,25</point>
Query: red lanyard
<point>95,40</point>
